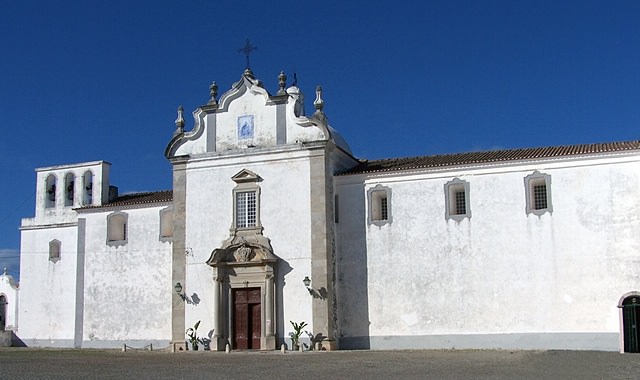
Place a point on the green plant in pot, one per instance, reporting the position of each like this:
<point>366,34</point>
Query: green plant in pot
<point>296,334</point>
<point>192,333</point>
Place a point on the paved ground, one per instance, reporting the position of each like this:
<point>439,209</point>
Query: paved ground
<point>29,363</point>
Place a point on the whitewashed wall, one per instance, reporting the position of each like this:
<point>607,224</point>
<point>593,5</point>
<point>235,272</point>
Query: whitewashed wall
<point>48,302</point>
<point>127,288</point>
<point>502,278</point>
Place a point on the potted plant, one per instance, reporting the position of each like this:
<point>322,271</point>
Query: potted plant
<point>193,336</point>
<point>296,334</point>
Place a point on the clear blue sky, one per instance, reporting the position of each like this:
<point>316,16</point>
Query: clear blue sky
<point>86,80</point>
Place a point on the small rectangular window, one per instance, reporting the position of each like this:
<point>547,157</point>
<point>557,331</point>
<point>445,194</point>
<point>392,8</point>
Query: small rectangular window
<point>166,223</point>
<point>539,197</point>
<point>538,193</point>
<point>379,205</point>
<point>461,203</point>
<point>384,212</point>
<point>456,194</point>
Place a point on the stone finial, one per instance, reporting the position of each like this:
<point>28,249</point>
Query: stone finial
<point>179,121</point>
<point>213,91</point>
<point>282,83</point>
<point>5,271</point>
<point>318,103</point>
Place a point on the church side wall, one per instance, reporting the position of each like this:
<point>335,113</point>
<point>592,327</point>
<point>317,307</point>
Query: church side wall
<point>127,286</point>
<point>48,288</point>
<point>501,278</point>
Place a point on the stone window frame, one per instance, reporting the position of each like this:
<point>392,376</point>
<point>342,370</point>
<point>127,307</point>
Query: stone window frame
<point>379,203</point>
<point>117,222</point>
<point>246,182</point>
<point>164,218</point>
<point>535,179</point>
<point>55,249</point>
<point>450,189</point>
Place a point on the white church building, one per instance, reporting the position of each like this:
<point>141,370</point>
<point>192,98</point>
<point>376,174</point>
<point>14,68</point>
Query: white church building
<point>272,219</point>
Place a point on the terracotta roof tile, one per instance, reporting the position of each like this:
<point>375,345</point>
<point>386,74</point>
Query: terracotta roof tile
<point>410,163</point>
<point>139,199</point>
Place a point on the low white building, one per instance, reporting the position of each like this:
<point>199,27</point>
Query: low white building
<point>8,302</point>
<point>271,219</point>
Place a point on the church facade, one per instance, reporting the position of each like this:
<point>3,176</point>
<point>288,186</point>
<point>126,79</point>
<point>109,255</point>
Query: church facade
<point>272,220</point>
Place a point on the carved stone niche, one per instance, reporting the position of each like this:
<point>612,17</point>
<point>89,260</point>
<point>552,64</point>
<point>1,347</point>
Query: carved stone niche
<point>243,261</point>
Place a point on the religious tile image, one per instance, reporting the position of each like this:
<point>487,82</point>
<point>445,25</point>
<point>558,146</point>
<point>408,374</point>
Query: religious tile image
<point>245,127</point>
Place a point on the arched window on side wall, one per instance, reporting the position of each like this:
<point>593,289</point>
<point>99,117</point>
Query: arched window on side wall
<point>50,191</point>
<point>69,183</point>
<point>54,250</point>
<point>117,228</point>
<point>87,188</point>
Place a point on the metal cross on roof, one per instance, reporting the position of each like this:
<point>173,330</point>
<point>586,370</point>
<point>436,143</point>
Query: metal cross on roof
<point>247,49</point>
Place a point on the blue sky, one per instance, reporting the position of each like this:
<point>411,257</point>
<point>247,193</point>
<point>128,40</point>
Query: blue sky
<point>83,80</point>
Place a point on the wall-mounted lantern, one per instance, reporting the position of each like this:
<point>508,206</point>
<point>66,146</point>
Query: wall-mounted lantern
<point>178,289</point>
<point>306,281</point>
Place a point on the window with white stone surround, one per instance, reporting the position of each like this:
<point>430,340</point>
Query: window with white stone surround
<point>457,205</point>
<point>537,188</point>
<point>117,228</point>
<point>166,224</point>
<point>54,250</point>
<point>379,202</point>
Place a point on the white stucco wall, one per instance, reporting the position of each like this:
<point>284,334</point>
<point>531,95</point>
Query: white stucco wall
<point>501,271</point>
<point>48,288</point>
<point>127,287</point>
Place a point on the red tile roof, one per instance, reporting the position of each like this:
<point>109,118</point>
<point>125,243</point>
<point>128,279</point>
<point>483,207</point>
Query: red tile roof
<point>138,199</point>
<point>409,163</point>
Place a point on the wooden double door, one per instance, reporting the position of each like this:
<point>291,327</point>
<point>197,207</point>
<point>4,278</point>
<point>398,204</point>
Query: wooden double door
<point>247,318</point>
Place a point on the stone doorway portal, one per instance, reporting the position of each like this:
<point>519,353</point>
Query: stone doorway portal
<point>244,314</point>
